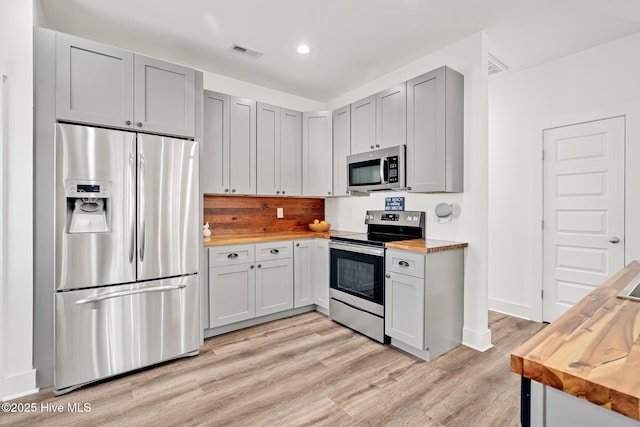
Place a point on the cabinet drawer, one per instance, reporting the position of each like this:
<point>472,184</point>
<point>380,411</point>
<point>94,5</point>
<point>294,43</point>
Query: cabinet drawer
<point>409,263</point>
<point>274,250</point>
<point>230,255</point>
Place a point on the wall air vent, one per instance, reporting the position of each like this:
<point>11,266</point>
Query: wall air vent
<point>247,51</point>
<point>495,66</point>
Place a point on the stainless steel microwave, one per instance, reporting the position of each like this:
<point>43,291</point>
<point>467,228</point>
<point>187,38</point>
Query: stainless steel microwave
<point>376,170</point>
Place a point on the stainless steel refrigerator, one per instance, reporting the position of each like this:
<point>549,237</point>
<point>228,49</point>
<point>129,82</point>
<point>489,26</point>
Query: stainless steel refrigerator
<point>127,239</point>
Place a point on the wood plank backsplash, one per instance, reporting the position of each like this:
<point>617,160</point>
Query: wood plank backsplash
<point>253,214</point>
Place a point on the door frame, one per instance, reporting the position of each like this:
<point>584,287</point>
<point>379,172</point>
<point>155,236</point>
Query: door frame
<point>538,188</point>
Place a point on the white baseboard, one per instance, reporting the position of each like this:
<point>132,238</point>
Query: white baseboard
<point>480,341</point>
<point>510,308</point>
<point>19,385</point>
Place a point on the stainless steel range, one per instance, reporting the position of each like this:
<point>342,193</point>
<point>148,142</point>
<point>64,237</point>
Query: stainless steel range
<point>357,269</point>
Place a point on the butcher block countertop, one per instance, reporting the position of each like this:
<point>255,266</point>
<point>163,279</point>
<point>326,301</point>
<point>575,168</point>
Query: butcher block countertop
<point>431,245</point>
<point>270,237</point>
<point>593,350</point>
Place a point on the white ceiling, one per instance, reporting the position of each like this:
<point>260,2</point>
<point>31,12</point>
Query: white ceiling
<point>352,41</point>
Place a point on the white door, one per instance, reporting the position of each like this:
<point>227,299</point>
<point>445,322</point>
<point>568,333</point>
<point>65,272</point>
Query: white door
<point>583,228</point>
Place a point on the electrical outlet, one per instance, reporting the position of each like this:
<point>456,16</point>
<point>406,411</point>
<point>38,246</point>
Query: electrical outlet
<point>280,212</point>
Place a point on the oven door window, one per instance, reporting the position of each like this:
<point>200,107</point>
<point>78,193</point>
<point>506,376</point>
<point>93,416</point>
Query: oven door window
<point>365,173</point>
<point>358,274</point>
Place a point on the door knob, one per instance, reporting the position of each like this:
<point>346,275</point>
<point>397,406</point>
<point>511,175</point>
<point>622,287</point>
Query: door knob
<point>388,276</point>
<point>614,239</point>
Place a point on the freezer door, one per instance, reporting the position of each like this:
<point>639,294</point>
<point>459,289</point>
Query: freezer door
<point>107,331</point>
<point>94,243</point>
<point>168,219</point>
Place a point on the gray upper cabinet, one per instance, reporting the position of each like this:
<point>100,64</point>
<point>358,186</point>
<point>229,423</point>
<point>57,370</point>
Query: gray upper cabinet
<point>214,170</point>
<point>279,146</point>
<point>94,82</point>
<point>391,116</point>
<point>229,145</point>
<point>435,113</point>
<point>103,85</point>
<point>290,152</point>
<point>242,146</point>
<point>341,149</point>
<point>268,145</point>
<point>317,154</point>
<point>363,125</point>
<point>164,97</point>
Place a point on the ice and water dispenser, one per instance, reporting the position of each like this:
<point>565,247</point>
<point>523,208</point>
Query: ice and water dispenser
<point>88,206</point>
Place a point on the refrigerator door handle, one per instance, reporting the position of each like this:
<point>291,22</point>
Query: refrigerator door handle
<point>132,292</point>
<point>132,208</point>
<point>141,194</point>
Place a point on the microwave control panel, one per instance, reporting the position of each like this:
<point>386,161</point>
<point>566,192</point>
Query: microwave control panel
<point>393,169</point>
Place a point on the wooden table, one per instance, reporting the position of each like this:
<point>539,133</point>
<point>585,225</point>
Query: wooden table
<point>592,351</point>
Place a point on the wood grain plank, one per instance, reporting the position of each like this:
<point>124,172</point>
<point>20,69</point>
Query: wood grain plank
<point>228,215</point>
<point>305,371</point>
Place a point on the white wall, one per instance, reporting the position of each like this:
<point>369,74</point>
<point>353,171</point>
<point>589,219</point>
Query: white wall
<point>229,86</point>
<point>468,57</point>
<point>597,83</point>
<point>17,376</point>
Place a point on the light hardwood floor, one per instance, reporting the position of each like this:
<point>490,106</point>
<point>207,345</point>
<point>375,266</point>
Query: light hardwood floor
<point>304,370</point>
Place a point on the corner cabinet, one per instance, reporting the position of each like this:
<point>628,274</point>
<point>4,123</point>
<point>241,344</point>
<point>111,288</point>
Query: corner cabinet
<point>317,154</point>
<point>279,146</point>
<point>341,149</point>
<point>103,85</point>
<point>229,145</point>
<point>311,274</point>
<point>435,112</point>
<point>424,296</point>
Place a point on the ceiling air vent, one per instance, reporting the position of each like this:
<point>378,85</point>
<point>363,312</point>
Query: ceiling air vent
<point>247,51</point>
<point>495,66</point>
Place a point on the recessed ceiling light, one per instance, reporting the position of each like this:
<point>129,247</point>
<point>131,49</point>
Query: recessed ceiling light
<point>303,49</point>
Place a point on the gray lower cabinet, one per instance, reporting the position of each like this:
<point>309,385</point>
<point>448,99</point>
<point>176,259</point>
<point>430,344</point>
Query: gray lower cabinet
<point>435,113</point>
<point>317,154</point>
<point>279,145</point>
<point>247,281</point>
<point>232,294</point>
<point>311,273</point>
<point>424,301</point>
<point>229,145</point>
<point>274,286</point>
<point>103,85</point>
<point>321,276</point>
<point>341,149</point>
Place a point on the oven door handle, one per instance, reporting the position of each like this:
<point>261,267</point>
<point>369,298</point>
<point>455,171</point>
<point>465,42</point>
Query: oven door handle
<point>357,248</point>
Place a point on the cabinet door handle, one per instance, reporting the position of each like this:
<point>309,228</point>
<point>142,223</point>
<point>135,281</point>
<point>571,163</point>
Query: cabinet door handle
<point>614,239</point>
<point>278,192</point>
<point>377,145</point>
<point>232,256</point>
<point>274,251</point>
<point>297,245</point>
<point>128,122</point>
<point>388,276</point>
<point>372,147</point>
<point>403,264</point>
<point>252,267</point>
<point>282,191</point>
<point>259,265</point>
<point>226,190</point>
<point>139,124</point>
<point>329,192</point>
<point>233,190</point>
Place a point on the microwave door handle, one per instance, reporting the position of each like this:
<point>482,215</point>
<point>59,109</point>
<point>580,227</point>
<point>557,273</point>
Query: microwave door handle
<point>383,171</point>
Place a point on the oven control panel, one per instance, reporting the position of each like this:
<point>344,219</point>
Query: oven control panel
<point>405,218</point>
